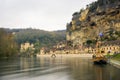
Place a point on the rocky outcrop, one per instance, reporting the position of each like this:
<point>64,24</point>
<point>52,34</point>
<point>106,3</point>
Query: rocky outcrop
<point>88,24</point>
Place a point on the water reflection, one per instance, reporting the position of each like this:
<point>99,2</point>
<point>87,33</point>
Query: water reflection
<point>46,68</point>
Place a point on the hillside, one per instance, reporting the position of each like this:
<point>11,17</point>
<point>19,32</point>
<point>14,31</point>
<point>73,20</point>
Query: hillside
<point>99,21</point>
<point>44,38</point>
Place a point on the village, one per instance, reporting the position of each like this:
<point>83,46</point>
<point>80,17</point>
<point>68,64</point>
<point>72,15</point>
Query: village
<point>63,48</point>
<point>90,30</point>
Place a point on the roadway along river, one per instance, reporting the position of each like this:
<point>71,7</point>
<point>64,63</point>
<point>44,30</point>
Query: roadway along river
<point>47,68</point>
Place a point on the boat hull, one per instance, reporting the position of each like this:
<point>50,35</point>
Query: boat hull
<point>99,60</point>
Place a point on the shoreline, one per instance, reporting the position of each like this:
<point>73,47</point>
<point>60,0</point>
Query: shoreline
<point>112,62</point>
<point>115,63</point>
<point>67,55</point>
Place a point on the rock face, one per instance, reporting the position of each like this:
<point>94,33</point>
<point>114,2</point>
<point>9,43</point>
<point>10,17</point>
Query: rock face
<point>90,23</point>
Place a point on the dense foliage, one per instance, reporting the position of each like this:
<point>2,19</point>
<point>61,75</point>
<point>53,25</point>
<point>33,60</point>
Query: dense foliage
<point>35,36</point>
<point>8,47</point>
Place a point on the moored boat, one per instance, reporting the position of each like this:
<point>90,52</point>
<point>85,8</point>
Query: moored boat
<point>99,60</point>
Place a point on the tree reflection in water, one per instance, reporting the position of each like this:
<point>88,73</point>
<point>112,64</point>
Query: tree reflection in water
<point>58,68</point>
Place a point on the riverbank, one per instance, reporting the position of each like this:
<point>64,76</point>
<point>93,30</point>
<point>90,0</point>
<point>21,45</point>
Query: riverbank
<point>67,55</point>
<point>115,63</point>
<point>115,60</point>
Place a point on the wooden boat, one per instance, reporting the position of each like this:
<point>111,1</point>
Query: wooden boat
<point>98,57</point>
<point>99,60</point>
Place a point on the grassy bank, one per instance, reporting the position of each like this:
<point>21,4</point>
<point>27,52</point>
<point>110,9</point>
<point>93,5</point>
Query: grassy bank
<point>116,57</point>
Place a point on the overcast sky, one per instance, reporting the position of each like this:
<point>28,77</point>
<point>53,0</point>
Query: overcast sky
<point>39,14</point>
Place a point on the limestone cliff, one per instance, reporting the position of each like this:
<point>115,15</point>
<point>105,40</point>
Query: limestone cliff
<point>102,16</point>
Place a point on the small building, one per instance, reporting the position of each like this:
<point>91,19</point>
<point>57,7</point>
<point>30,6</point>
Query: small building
<point>25,46</point>
<point>42,50</point>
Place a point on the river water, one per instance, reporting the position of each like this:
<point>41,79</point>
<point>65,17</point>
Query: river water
<point>46,68</point>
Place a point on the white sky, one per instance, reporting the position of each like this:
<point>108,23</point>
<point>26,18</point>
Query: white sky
<point>39,14</point>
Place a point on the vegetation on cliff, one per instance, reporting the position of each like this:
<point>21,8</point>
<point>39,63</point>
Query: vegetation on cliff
<point>101,3</point>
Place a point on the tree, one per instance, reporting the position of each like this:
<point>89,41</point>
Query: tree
<point>8,46</point>
<point>37,46</point>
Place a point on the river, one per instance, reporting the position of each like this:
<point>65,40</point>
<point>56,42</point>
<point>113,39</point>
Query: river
<point>46,68</point>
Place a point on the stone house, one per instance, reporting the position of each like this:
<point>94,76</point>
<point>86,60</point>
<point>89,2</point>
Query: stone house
<point>25,46</point>
<point>112,46</point>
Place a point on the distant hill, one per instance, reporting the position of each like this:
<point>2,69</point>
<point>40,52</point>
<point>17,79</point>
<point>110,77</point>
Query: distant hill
<point>44,38</point>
